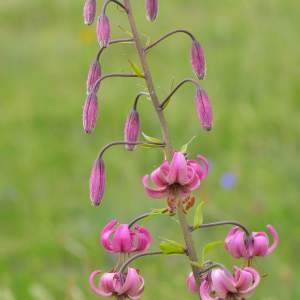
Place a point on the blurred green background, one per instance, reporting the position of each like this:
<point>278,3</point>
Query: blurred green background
<point>49,230</point>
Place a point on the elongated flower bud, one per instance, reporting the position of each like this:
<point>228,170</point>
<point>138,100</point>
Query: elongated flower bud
<point>198,60</point>
<point>151,9</point>
<point>103,30</point>
<point>89,11</point>
<point>97,181</point>
<point>94,75</point>
<point>90,113</point>
<point>204,109</point>
<point>132,129</point>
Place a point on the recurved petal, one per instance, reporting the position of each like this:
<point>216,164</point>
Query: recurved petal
<point>275,239</point>
<point>104,289</point>
<point>156,193</point>
<point>106,233</point>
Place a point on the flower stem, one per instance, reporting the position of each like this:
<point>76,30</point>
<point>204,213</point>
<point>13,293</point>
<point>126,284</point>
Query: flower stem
<point>149,80</point>
<point>165,133</point>
<point>167,35</point>
<point>133,258</point>
<point>221,223</point>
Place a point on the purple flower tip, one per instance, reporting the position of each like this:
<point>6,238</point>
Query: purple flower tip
<point>90,113</point>
<point>103,30</point>
<point>93,77</point>
<point>198,60</point>
<point>97,181</point>
<point>151,9</point>
<point>132,129</point>
<point>89,11</point>
<point>204,109</point>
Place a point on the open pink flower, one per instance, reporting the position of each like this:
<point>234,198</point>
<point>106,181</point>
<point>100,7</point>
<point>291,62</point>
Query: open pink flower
<point>129,285</point>
<point>239,245</point>
<point>124,239</point>
<point>222,285</point>
<point>176,179</point>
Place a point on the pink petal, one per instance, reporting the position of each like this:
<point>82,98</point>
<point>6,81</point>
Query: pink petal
<point>178,169</point>
<point>222,282</point>
<point>106,233</point>
<point>205,166</point>
<point>255,282</point>
<point>158,177</point>
<point>275,239</point>
<point>143,238</point>
<point>205,291</point>
<point>156,193</point>
<point>122,241</point>
<point>102,291</point>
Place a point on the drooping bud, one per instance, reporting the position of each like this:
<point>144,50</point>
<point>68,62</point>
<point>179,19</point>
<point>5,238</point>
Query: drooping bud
<point>204,109</point>
<point>132,129</point>
<point>90,113</point>
<point>103,30</point>
<point>198,60</point>
<point>151,9</point>
<point>97,181</point>
<point>89,11</point>
<point>94,75</point>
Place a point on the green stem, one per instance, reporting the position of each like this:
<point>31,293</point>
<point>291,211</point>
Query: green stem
<point>149,80</point>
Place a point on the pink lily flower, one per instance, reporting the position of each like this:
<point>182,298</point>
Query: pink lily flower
<point>222,285</point>
<point>124,239</point>
<point>239,245</point>
<point>129,285</point>
<point>176,179</point>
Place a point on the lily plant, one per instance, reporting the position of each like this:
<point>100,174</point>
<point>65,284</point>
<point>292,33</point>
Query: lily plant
<point>174,180</point>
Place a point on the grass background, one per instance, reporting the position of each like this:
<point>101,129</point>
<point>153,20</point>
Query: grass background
<point>49,231</point>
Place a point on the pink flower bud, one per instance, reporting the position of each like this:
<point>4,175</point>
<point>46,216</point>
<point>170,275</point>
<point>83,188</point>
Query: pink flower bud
<point>129,284</point>
<point>132,129</point>
<point>89,11</point>
<point>97,181</point>
<point>257,244</point>
<point>94,75</point>
<point>103,31</point>
<point>119,238</point>
<point>151,9</point>
<point>220,284</point>
<point>90,113</point>
<point>204,109</point>
<point>191,284</point>
<point>198,60</point>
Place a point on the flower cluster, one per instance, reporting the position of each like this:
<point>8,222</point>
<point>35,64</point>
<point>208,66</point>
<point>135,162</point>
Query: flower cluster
<point>175,180</point>
<point>121,239</point>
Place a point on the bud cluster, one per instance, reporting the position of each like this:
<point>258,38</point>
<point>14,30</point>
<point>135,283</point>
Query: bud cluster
<point>175,180</point>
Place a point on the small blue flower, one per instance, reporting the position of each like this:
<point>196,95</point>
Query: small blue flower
<point>228,180</point>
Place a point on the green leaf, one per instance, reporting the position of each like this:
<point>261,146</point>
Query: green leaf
<point>184,148</point>
<point>171,247</point>
<point>148,145</point>
<point>209,247</point>
<point>136,69</point>
<point>155,212</point>
<point>198,217</point>
<point>127,32</point>
<point>151,139</point>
